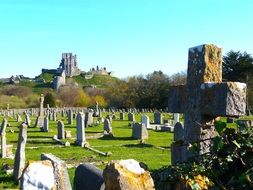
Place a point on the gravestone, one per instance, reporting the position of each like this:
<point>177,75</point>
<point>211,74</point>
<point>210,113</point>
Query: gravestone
<point>80,130</point>
<point>158,117</point>
<point>88,120</point>
<point>54,115</point>
<point>60,172</point>
<point>203,98</point>
<point>131,117</point>
<point>107,127</point>
<point>145,121</point>
<point>176,118</point>
<point>70,117</point>
<point>46,124</point>
<point>27,120</point>
<point>3,139</point>
<point>19,163</point>
<point>60,127</point>
<point>19,118</point>
<point>139,131</point>
<point>40,118</point>
<point>122,116</point>
<point>88,177</point>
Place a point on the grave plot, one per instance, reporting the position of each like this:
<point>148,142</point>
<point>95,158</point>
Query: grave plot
<point>102,147</point>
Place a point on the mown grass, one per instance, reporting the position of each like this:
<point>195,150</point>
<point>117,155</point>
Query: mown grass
<point>156,153</point>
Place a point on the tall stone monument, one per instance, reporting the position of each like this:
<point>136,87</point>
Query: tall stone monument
<point>202,100</point>
<point>40,119</point>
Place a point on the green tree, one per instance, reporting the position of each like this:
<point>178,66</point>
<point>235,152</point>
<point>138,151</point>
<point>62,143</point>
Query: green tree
<point>50,99</point>
<point>238,66</point>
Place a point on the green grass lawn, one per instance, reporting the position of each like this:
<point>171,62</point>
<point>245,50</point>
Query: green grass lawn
<point>155,153</point>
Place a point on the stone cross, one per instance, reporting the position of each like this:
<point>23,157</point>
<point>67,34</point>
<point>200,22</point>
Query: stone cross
<point>80,129</point>
<point>3,139</point>
<point>19,163</point>
<point>60,127</point>
<point>204,98</point>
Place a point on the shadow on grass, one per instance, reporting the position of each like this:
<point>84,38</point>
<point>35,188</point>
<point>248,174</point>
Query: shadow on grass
<point>8,179</point>
<point>39,137</point>
<point>93,132</point>
<point>138,145</point>
<point>108,137</point>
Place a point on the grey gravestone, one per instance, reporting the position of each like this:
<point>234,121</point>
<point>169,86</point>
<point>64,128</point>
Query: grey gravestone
<point>27,120</point>
<point>3,139</point>
<point>178,132</point>
<point>122,116</point>
<point>54,115</point>
<point>176,118</point>
<point>40,118</point>
<point>70,117</point>
<point>46,124</point>
<point>139,131</point>
<point>60,172</point>
<point>60,127</point>
<point>88,177</point>
<point>88,119</point>
<point>131,117</point>
<point>107,126</point>
<point>145,121</point>
<point>158,117</point>
<point>19,163</point>
<point>80,129</point>
<point>203,98</point>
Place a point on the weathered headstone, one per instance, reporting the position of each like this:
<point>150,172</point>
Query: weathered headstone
<point>122,116</point>
<point>158,117</point>
<point>3,139</point>
<point>88,177</point>
<point>126,175</point>
<point>40,118</point>
<point>88,121</point>
<point>19,163</point>
<point>203,98</point>
<point>107,127</point>
<point>70,117</point>
<point>60,127</point>
<point>80,130</point>
<point>54,115</point>
<point>38,175</point>
<point>176,118</point>
<point>60,172</point>
<point>131,117</point>
<point>145,121</point>
<point>27,120</point>
<point>139,131</point>
<point>46,124</point>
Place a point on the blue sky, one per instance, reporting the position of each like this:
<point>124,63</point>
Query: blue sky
<point>129,37</point>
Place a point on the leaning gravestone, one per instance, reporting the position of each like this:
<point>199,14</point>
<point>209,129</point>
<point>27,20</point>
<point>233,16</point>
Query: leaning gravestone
<point>88,177</point>
<point>80,129</point>
<point>19,163</point>
<point>203,98</point>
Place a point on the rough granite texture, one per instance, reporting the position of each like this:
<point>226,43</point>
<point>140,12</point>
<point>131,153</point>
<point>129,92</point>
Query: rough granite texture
<point>119,176</point>
<point>203,98</point>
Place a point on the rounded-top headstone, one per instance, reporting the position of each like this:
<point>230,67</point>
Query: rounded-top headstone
<point>178,132</point>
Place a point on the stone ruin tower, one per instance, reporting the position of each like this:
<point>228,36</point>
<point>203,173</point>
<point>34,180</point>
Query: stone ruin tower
<point>69,65</point>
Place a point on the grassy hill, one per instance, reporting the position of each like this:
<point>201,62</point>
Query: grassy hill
<point>100,81</point>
